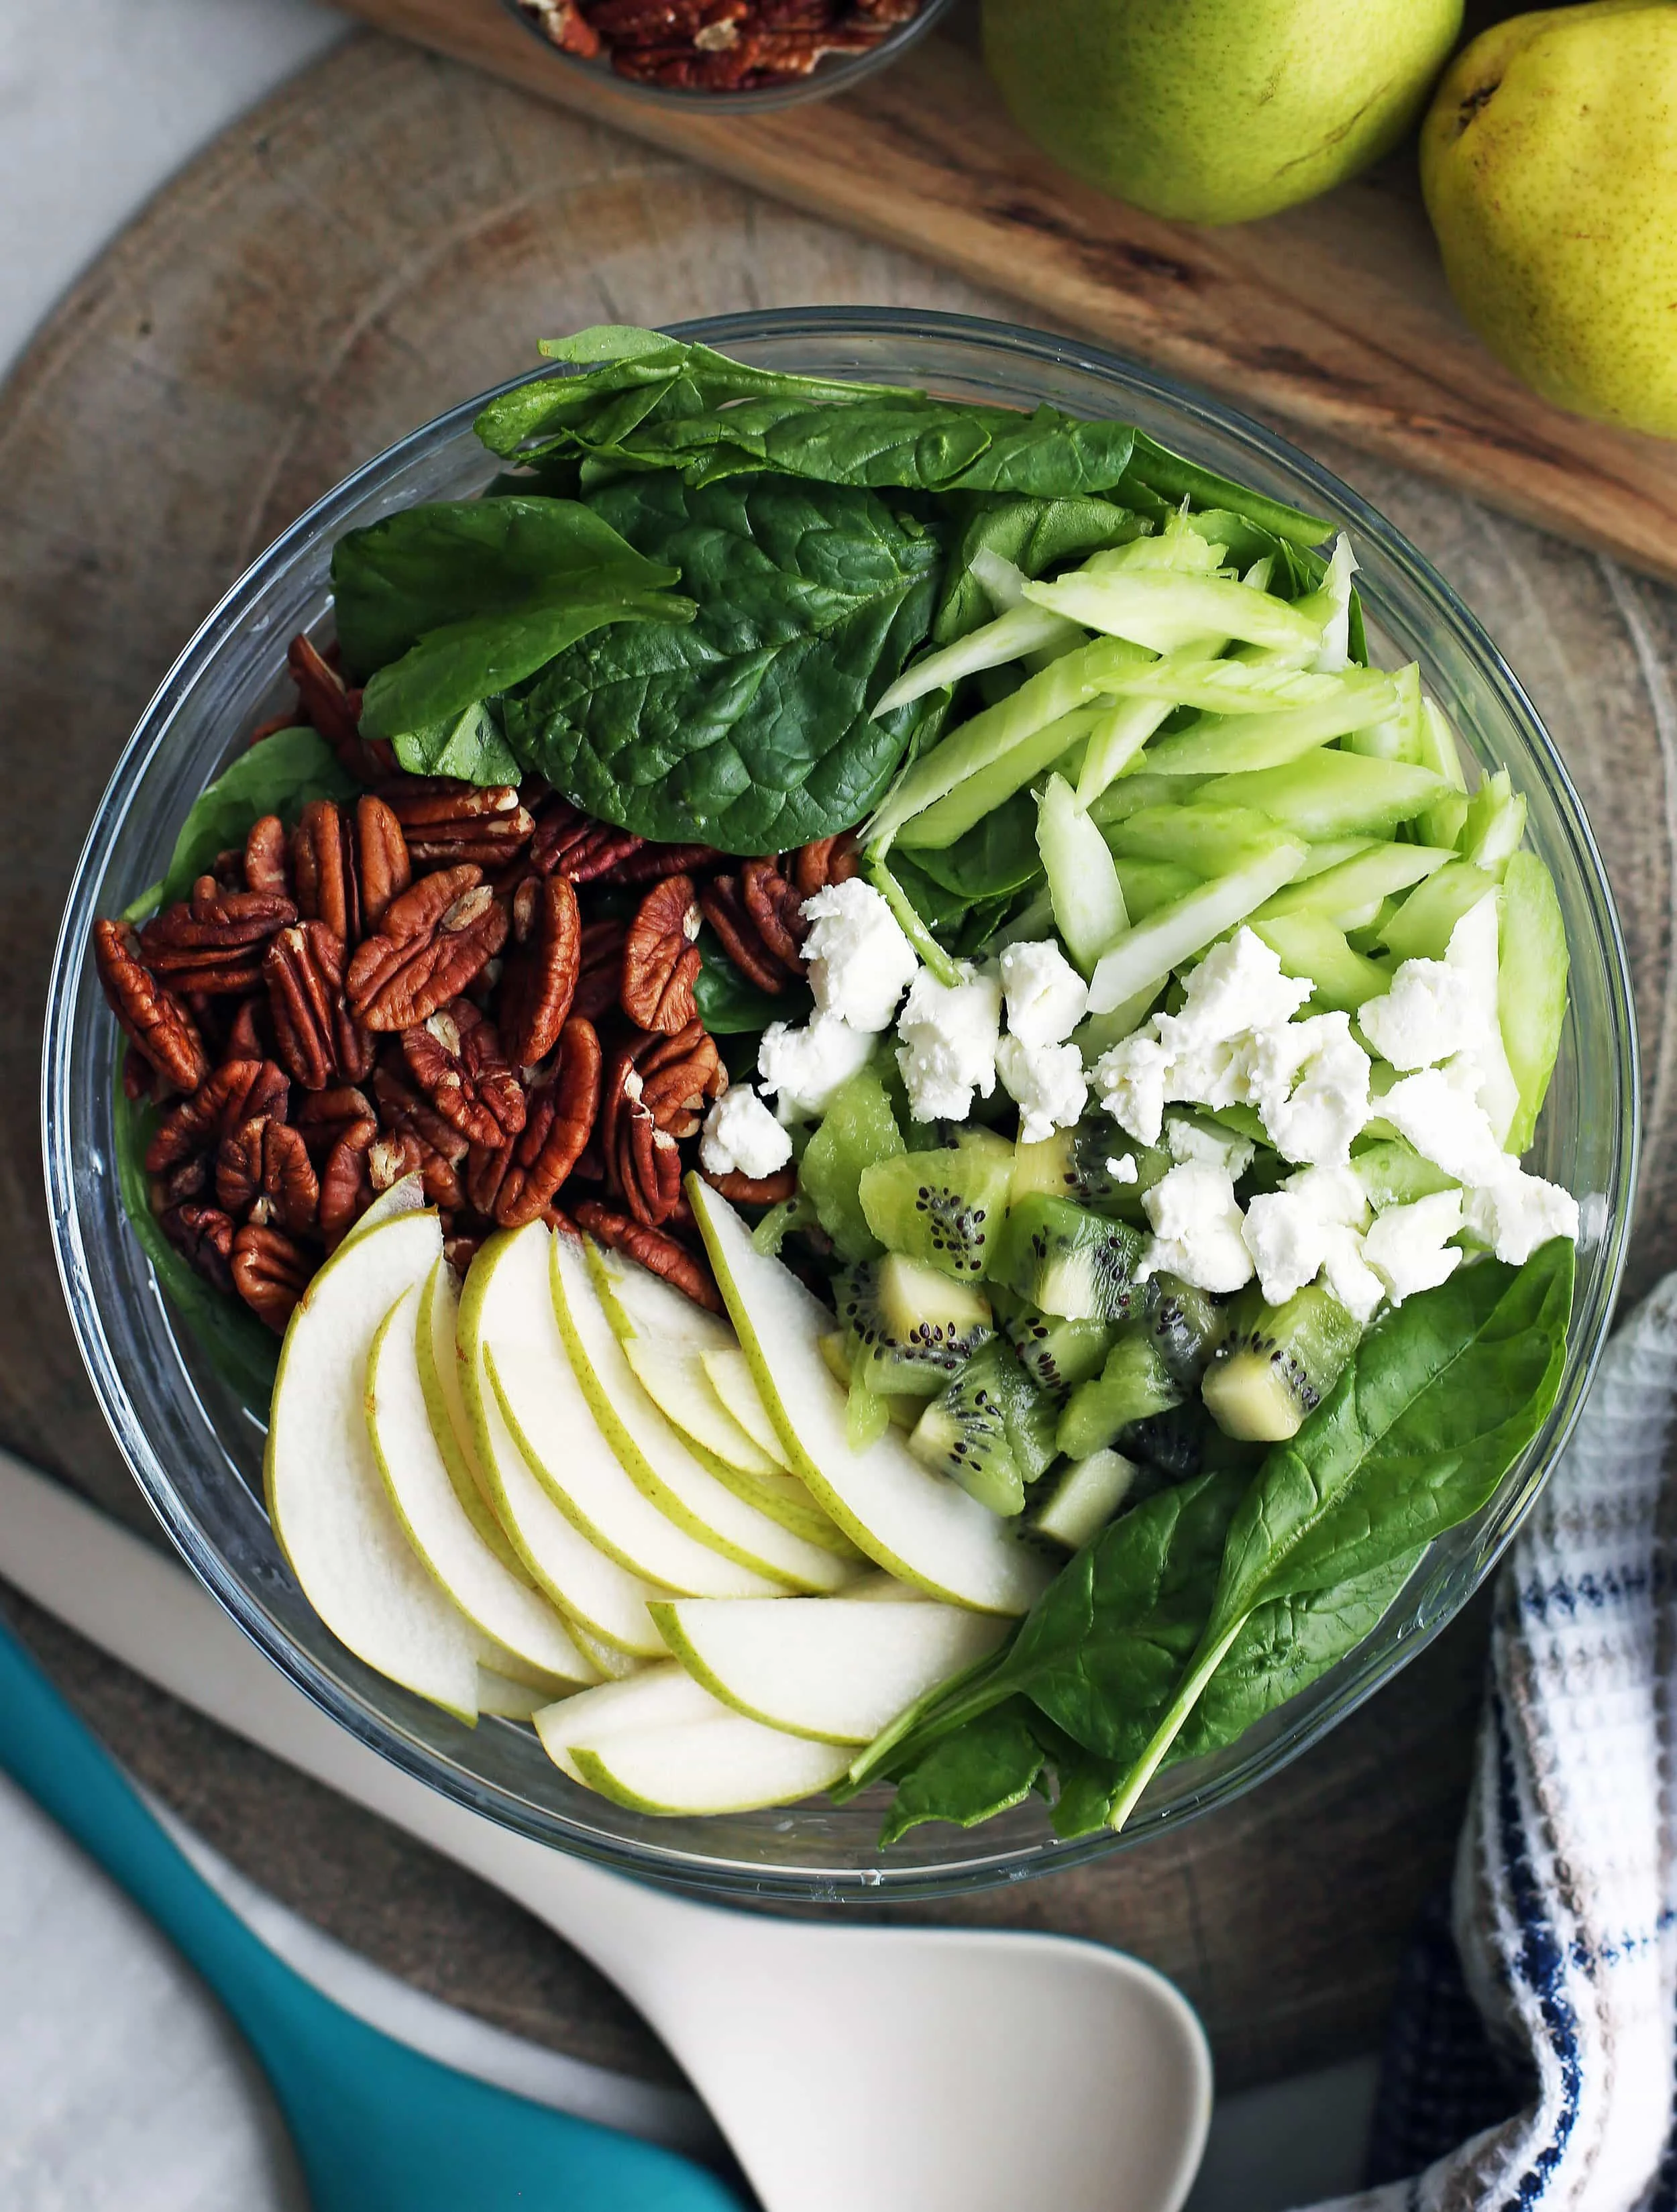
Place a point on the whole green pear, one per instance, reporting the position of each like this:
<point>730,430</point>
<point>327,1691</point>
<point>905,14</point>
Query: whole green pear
<point>1216,111</point>
<point>1549,163</point>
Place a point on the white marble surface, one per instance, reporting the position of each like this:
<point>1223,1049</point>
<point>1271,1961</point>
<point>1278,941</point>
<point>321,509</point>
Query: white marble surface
<point>122,2088</point>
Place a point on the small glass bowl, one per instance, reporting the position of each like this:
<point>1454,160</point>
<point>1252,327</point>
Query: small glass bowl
<point>837,73</point>
<point>196,1449</point>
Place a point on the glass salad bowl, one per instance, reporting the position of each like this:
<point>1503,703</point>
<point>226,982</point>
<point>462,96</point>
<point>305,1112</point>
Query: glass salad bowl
<point>195,1448</point>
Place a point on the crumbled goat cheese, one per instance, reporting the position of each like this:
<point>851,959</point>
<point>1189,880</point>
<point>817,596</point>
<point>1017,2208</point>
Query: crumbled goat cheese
<point>1124,1169</point>
<point>1046,1082</point>
<point>859,962</point>
<point>1334,652</point>
<point>1046,996</point>
<point>1219,1148</point>
<point>1474,952</point>
<point>1200,1055</point>
<point>1196,1229</point>
<point>949,1033</point>
<point>1308,1228</point>
<point>742,1137</point>
<point>1349,1276</point>
<point>1408,1246</point>
<point>1432,1011</point>
<point>1438,1111</point>
<point>807,1066</point>
<point>1517,1212</point>
<point>1309,1081</point>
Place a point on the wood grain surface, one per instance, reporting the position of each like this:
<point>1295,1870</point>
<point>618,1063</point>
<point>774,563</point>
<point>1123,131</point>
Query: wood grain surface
<point>1334,316</point>
<point>386,237</point>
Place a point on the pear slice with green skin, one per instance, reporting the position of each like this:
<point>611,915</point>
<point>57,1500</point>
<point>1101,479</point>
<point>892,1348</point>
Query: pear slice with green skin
<point>654,1456</point>
<point>328,1502</point>
<point>438,1346</point>
<point>406,1195</point>
<point>594,1592</point>
<point>495,1658</point>
<point>656,1697</point>
<point>731,1379</point>
<point>673,1377</point>
<point>640,1303</point>
<point>505,1607</point>
<point>617,1666</point>
<point>726,1765</point>
<point>918,1525</point>
<point>540,1390</point>
<point>508,1699</point>
<point>834,1672</point>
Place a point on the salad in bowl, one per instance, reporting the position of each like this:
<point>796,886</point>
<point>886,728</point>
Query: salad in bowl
<point>857,1093</point>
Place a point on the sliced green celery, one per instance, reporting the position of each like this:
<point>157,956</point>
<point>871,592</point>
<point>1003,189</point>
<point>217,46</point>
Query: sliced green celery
<point>1021,630</point>
<point>1330,853</point>
<point>1421,928</point>
<point>1239,742</point>
<point>1117,738</point>
<point>1149,885</point>
<point>1148,955</point>
<point>1330,794</point>
<point>1228,687</point>
<point>1531,987</point>
<point>1306,945</point>
<point>1088,901</point>
<point>1180,545</point>
<point>1100,1032</point>
<point>1137,789</point>
<point>1440,823</point>
<point>1397,737</point>
<point>1351,894</point>
<point>1330,606</point>
<point>1495,823</point>
<point>1392,1173</point>
<point>1210,839</point>
<point>992,786</point>
<point>1166,610</point>
<point>926,947</point>
<point>987,739</point>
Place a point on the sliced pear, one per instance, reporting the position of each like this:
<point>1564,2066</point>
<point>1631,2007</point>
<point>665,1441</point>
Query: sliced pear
<point>835,1672</point>
<point>918,1525</point>
<point>508,1699</point>
<point>595,1593</point>
<point>731,1379</point>
<point>640,1303</point>
<point>438,1345</point>
<point>537,1388</point>
<point>617,1666</point>
<point>655,1454</point>
<point>658,1696</point>
<point>329,1506</point>
<point>502,1605</point>
<point>673,1377</point>
<point>495,1658</point>
<point>726,1765</point>
<point>405,1195</point>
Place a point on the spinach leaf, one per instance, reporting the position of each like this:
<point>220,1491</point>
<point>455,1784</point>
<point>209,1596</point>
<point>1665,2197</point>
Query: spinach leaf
<point>455,601</point>
<point>1037,535</point>
<point>1442,1397</point>
<point>1155,468</point>
<point>244,1352</point>
<point>277,776</point>
<point>996,857</point>
<point>470,747</point>
<point>730,1005</point>
<point>979,1770</point>
<point>747,728</point>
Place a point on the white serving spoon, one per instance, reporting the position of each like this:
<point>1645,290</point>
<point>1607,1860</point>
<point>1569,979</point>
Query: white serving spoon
<point>910,2070</point>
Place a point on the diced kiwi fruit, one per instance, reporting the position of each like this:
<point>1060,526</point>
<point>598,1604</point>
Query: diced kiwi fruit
<point>1392,1173</point>
<point>1056,1354</point>
<point>1133,1383</point>
<point>1173,1441</point>
<point>909,1327</point>
<point>1078,1503</point>
<point>1187,1325</point>
<point>1068,1261</point>
<point>858,1128</point>
<point>1278,1363</point>
<point>1083,1163</point>
<point>947,1208</point>
<point>835,1351</point>
<point>967,1434</point>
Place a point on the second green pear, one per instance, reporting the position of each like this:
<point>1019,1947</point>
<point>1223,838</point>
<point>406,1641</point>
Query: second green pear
<point>1212,111</point>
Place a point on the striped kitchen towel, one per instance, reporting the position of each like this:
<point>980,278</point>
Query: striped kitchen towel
<point>1555,2001</point>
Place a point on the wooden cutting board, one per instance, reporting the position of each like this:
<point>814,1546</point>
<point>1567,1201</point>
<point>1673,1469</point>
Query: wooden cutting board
<point>386,236</point>
<point>1333,317</point>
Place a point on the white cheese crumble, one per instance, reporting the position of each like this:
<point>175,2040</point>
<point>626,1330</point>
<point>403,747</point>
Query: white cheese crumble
<point>1517,1212</point>
<point>1047,1083</point>
<point>1474,951</point>
<point>1438,1111</point>
<point>1430,1012</point>
<point>859,961</point>
<point>807,1066</point>
<point>1309,1228</point>
<point>1219,1148</point>
<point>742,1137</point>
<point>950,1032</point>
<point>1309,1081</point>
<point>1122,1168</point>
<point>1409,1248</point>
<point>1196,1229</point>
<point>1046,996</point>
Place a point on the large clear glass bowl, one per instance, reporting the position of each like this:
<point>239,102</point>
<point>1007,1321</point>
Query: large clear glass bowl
<point>196,1450</point>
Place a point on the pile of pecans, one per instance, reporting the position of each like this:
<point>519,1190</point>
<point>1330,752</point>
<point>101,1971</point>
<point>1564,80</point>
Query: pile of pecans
<point>718,46</point>
<point>481,986</point>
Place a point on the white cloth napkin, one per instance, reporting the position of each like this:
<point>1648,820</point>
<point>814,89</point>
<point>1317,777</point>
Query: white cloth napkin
<point>1556,2002</point>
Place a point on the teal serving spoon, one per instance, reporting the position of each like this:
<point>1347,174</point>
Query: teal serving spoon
<point>377,2127</point>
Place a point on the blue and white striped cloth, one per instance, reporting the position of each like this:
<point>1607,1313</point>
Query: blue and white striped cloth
<point>1554,2002</point>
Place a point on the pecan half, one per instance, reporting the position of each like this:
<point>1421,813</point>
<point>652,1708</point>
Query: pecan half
<point>406,1110</point>
<point>540,978</point>
<point>653,1248</point>
<point>776,910</point>
<point>150,1016</point>
<point>250,1034</point>
<point>567,843</point>
<point>723,905</point>
<point>346,1192</point>
<point>654,862</point>
<point>321,1117</point>
<point>678,1077</point>
<point>316,1038</point>
<point>600,975</point>
<point>263,1172</point>
<point>562,1115</point>
<point>270,1273</point>
<point>445,822</point>
<point>334,711</point>
<point>202,1234</point>
<point>383,866</point>
<point>213,942</point>
<point>648,1167</point>
<point>754,1190</point>
<point>435,939</point>
<point>266,861</point>
<point>455,1057</point>
<point>239,1090</point>
<point>826,860</point>
<point>660,957</point>
<point>324,862</point>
